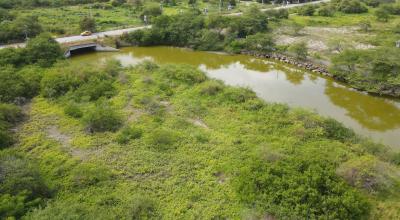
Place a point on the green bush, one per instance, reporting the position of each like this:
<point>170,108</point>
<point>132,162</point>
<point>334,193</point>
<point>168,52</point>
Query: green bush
<point>43,50</point>
<point>260,42</point>
<point>56,83</point>
<point>211,87</point>
<point>95,87</point>
<point>382,14</point>
<point>10,113</point>
<point>209,41</point>
<point>352,7</point>
<point>162,139</point>
<point>87,24</point>
<point>129,133</point>
<point>307,10</point>
<point>87,174</point>
<point>238,95</point>
<point>298,187</point>
<point>183,73</point>
<point>21,188</point>
<point>396,28</point>
<point>11,84</point>
<point>103,117</point>
<point>335,130</point>
<point>18,29</point>
<point>6,139</point>
<point>300,50</point>
<point>9,116</point>
<point>369,174</point>
<point>73,110</point>
<point>13,57</point>
<point>142,208</point>
<point>151,10</point>
<point>278,14</point>
<point>326,11</point>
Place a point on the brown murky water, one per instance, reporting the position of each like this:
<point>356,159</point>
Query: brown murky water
<point>375,117</point>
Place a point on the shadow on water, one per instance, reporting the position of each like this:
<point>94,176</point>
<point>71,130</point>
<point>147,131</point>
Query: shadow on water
<point>273,81</point>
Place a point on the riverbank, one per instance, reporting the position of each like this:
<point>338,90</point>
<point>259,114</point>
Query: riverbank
<point>319,69</point>
<point>170,139</point>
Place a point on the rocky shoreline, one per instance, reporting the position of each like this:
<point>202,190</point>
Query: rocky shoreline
<point>290,60</point>
<point>322,70</point>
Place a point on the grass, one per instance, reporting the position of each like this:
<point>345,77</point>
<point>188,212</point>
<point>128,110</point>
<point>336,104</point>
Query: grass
<point>206,138</point>
<point>67,18</point>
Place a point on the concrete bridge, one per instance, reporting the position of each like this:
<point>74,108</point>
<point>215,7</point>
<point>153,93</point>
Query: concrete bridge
<point>87,46</point>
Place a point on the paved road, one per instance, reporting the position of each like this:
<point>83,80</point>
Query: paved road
<point>121,31</point>
<point>71,39</point>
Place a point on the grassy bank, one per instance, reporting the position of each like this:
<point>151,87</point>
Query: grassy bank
<point>166,142</point>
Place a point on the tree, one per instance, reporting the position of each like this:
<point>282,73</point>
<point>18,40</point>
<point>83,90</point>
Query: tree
<point>382,14</point>
<point>192,3</point>
<point>300,50</point>
<point>103,118</point>
<point>352,7</point>
<point>43,50</point>
<point>307,10</point>
<point>326,11</point>
<point>87,24</point>
<point>260,42</point>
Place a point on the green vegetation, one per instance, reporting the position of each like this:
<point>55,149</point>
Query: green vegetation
<point>166,142</point>
<point>169,142</point>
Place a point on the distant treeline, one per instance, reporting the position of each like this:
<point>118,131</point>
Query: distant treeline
<point>43,3</point>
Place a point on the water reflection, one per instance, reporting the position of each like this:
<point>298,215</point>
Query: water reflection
<point>372,112</point>
<point>371,116</point>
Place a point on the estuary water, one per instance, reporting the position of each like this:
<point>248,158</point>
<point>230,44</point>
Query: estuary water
<point>371,116</point>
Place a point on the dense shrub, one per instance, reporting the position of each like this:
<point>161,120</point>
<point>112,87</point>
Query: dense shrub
<point>352,7</point>
<point>9,116</point>
<point>382,14</point>
<point>209,40</point>
<point>162,139</point>
<point>151,10</point>
<point>11,84</point>
<point>72,109</point>
<point>19,29</point>
<point>10,113</point>
<point>87,174</point>
<point>375,66</point>
<point>129,133</point>
<point>87,24</point>
<point>299,49</point>
<point>55,83</point>
<point>307,10</point>
<point>335,130</point>
<point>238,95</point>
<point>278,14</point>
<point>12,56</point>
<point>96,86</point>
<point>300,186</point>
<point>368,173</point>
<point>326,10</point>
<point>376,3</point>
<point>183,73</point>
<point>102,117</point>
<point>211,87</point>
<point>43,50</point>
<point>142,208</point>
<point>260,43</point>
<point>21,186</point>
